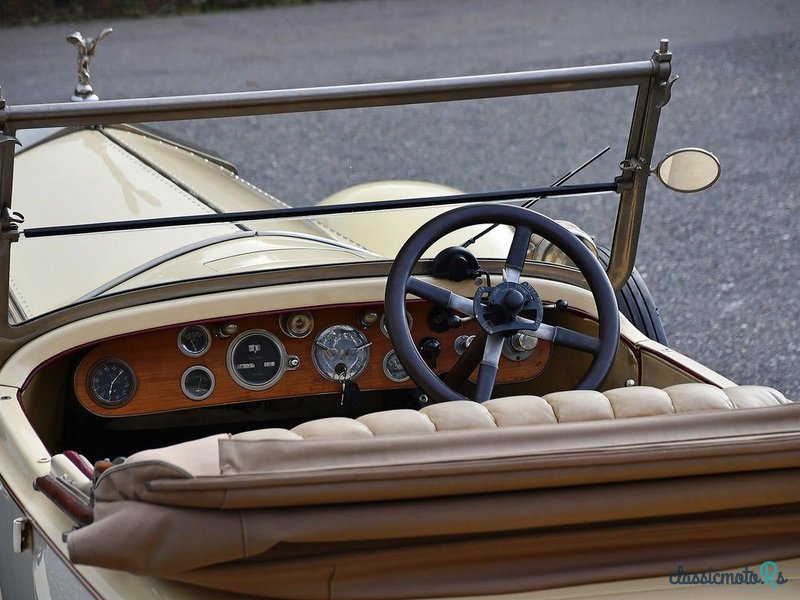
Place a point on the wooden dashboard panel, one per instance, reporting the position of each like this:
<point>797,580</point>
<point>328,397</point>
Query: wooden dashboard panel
<point>158,363</point>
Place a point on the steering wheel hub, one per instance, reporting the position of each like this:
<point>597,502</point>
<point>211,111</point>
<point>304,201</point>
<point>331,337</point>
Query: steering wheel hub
<point>497,308</point>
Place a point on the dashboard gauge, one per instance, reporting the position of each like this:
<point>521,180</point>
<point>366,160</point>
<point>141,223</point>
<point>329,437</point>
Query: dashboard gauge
<point>256,359</point>
<point>111,382</point>
<point>385,329</point>
<point>393,368</point>
<point>197,382</point>
<point>340,352</point>
<point>194,340</point>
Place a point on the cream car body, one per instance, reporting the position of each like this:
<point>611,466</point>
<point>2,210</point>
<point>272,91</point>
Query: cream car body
<point>257,272</point>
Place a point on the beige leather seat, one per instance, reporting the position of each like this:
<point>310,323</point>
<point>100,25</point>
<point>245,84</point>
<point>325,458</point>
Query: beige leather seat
<point>559,407</point>
<point>336,508</point>
<point>513,426</point>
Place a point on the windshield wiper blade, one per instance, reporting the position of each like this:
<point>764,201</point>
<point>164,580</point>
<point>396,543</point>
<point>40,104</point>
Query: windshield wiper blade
<point>534,200</point>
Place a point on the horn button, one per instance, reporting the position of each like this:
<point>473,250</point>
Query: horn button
<point>508,307</point>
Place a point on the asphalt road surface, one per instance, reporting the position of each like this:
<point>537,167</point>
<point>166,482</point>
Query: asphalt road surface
<point>722,264</point>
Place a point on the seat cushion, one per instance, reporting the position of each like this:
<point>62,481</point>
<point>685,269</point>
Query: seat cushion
<point>559,407</point>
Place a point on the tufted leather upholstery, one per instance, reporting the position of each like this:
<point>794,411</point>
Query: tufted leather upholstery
<point>218,509</point>
<point>559,407</point>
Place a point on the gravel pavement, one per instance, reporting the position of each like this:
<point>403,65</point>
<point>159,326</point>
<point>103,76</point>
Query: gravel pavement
<point>722,264</point>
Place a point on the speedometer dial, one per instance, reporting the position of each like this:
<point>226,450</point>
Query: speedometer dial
<point>256,359</point>
<point>340,352</point>
<point>111,382</point>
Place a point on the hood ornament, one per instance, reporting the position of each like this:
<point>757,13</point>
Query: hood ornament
<point>86,48</point>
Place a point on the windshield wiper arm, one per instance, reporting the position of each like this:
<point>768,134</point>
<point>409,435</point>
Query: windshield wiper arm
<point>533,201</point>
<point>315,211</point>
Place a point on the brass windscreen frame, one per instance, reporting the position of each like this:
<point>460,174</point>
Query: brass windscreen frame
<point>651,78</point>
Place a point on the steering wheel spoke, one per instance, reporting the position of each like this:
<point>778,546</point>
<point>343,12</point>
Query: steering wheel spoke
<point>570,338</point>
<point>515,261</point>
<point>467,362</point>
<point>487,373</point>
<point>440,296</point>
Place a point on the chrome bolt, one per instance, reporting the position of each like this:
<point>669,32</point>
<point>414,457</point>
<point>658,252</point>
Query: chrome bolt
<point>522,342</point>
<point>462,342</point>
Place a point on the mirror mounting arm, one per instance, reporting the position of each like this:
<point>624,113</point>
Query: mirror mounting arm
<point>625,181</point>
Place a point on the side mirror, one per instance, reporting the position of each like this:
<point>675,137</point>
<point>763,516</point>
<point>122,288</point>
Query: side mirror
<point>688,170</point>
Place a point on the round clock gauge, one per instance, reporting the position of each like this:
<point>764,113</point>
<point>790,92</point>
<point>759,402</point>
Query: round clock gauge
<point>111,382</point>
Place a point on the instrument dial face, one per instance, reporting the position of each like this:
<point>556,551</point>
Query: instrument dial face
<point>197,382</point>
<point>194,340</point>
<point>256,359</point>
<point>111,382</point>
<point>393,368</point>
<point>340,352</point>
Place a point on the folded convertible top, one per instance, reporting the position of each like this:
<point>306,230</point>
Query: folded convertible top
<point>354,509</point>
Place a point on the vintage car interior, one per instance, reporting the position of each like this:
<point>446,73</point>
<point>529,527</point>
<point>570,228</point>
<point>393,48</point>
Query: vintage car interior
<point>403,391</point>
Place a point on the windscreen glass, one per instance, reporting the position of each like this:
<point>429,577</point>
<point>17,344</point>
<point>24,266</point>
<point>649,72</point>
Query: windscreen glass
<point>207,169</point>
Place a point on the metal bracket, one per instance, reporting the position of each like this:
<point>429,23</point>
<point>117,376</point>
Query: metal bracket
<point>3,112</point>
<point>662,54</point>
<point>9,222</point>
<point>664,91</point>
<point>629,168</point>
<point>21,534</point>
<point>8,138</point>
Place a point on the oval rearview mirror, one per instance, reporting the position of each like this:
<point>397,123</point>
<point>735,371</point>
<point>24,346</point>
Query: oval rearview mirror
<point>688,170</point>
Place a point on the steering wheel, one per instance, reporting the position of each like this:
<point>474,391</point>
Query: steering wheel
<point>502,310</point>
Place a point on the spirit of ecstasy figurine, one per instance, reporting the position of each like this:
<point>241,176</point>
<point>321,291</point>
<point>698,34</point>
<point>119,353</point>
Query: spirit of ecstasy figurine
<point>86,48</point>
